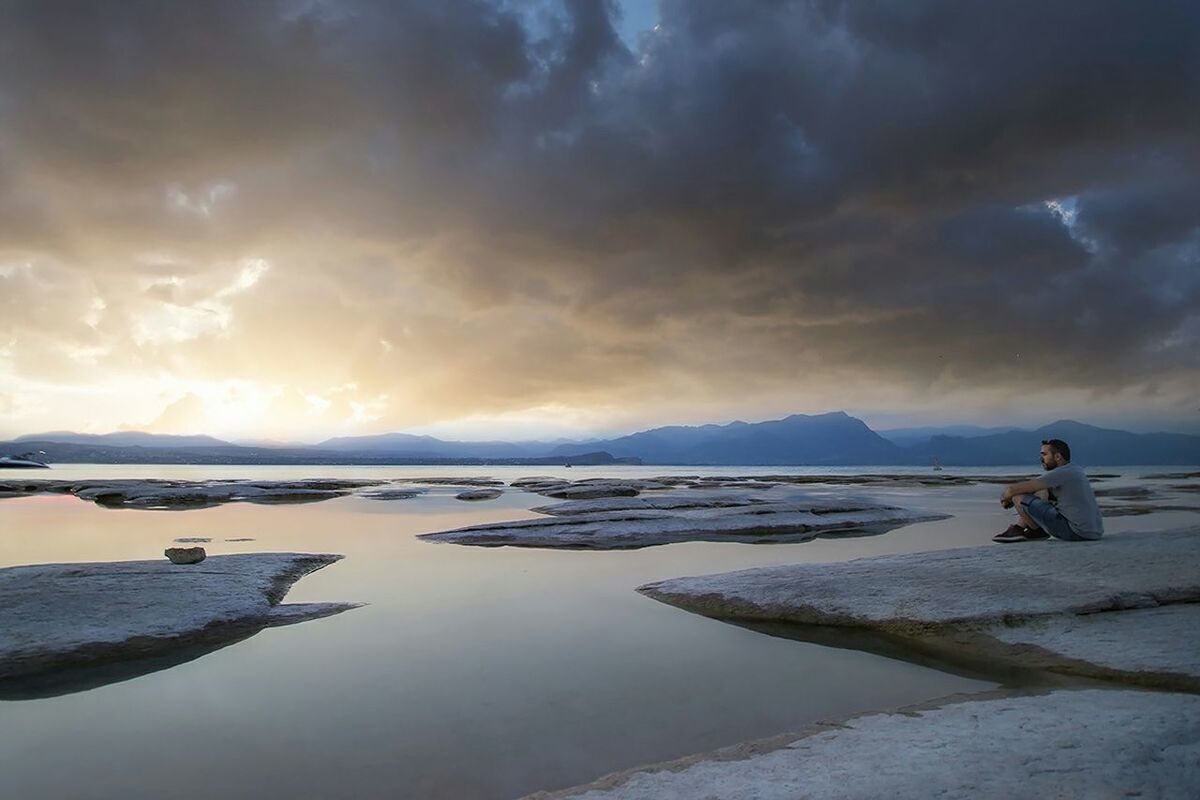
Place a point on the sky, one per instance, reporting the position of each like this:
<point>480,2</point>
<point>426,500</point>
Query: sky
<point>524,218</point>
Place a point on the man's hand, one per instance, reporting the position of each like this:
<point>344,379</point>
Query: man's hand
<point>1006,499</point>
<point>1024,487</point>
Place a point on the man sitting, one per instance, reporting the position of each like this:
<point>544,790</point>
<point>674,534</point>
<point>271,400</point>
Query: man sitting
<point>1060,503</point>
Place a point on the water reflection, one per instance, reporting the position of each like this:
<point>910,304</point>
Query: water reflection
<point>82,677</point>
<point>472,673</point>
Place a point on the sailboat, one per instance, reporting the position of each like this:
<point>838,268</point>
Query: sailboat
<point>937,467</point>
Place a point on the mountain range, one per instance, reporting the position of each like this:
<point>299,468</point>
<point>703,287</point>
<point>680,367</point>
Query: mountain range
<point>833,439</point>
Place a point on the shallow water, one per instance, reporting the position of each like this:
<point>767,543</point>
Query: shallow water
<point>473,672</point>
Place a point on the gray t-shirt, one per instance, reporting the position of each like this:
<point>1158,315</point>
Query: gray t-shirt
<point>1071,491</point>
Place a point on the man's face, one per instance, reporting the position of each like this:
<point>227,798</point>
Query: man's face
<point>1047,457</point>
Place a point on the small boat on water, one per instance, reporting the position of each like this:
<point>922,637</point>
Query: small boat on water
<point>24,461</point>
<point>937,466</point>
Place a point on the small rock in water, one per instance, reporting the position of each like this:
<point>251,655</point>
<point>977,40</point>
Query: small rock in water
<point>479,494</point>
<point>239,539</point>
<point>185,555</point>
<point>193,539</point>
<point>393,494</point>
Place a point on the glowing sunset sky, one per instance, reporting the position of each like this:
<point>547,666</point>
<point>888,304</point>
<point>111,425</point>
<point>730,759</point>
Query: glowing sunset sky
<point>308,218</point>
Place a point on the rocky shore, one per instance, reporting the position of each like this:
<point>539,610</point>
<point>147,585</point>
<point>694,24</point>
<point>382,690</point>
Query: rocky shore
<point>168,495</point>
<point>1097,621</point>
<point>1126,607</point>
<point>1066,744</point>
<point>670,516</point>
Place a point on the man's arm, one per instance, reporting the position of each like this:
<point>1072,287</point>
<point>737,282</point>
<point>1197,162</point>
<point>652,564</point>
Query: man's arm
<point>1024,487</point>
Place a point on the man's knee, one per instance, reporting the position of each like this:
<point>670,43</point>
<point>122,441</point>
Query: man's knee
<point>1022,500</point>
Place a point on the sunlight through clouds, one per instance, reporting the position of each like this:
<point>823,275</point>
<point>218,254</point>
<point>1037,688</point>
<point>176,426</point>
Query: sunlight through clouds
<point>575,216</point>
<point>169,322</point>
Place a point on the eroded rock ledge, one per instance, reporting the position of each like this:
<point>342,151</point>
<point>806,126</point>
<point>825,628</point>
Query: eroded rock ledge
<point>1126,607</point>
<point>1089,743</point>
<point>164,494</point>
<point>157,493</point>
<point>71,626</point>
<point>665,517</point>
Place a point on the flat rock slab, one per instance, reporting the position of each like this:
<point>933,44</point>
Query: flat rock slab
<point>158,494</point>
<point>387,493</point>
<point>983,600</point>
<point>1165,639</point>
<point>161,494</point>
<point>591,488</point>
<point>1092,743</point>
<point>479,494</point>
<point>451,481</point>
<point>63,616</point>
<point>1141,509</point>
<point>686,515</point>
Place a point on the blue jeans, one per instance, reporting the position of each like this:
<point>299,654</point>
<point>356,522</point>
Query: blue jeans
<point>1049,519</point>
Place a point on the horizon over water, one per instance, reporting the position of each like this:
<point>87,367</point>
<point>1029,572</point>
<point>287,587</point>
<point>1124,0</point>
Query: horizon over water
<point>472,672</point>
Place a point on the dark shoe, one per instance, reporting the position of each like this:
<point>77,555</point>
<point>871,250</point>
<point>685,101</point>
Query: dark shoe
<point>1014,533</point>
<point>1035,534</point>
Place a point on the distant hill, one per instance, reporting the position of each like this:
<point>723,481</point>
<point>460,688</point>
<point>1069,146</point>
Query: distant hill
<point>1089,444</point>
<point>125,439</point>
<point>908,437</point>
<point>405,444</point>
<point>823,439</point>
<point>834,439</point>
<point>73,453</point>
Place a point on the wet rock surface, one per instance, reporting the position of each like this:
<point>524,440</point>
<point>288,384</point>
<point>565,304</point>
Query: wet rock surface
<point>1138,500</point>
<point>1141,509</point>
<point>593,488</point>
<point>387,493</point>
<point>1124,609</point>
<point>1017,604</point>
<point>479,494</point>
<point>1160,643</point>
<point>440,481</point>
<point>1089,743</point>
<point>72,626</point>
<point>161,494</point>
<point>185,555</point>
<point>153,493</point>
<point>681,515</point>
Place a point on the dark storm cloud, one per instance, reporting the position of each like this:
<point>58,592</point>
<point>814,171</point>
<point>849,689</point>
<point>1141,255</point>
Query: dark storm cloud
<point>824,184</point>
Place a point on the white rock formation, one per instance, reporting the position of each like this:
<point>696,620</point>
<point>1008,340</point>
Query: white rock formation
<point>479,494</point>
<point>389,493</point>
<point>155,493</point>
<point>443,481</point>
<point>1018,604</point>
<point>1092,743</point>
<point>681,516</point>
<point>1164,640</point>
<point>60,616</point>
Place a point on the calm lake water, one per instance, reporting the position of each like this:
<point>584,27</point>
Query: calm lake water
<point>472,672</point>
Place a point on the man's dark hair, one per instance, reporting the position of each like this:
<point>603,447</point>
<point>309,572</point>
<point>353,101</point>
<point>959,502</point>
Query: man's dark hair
<point>1058,446</point>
